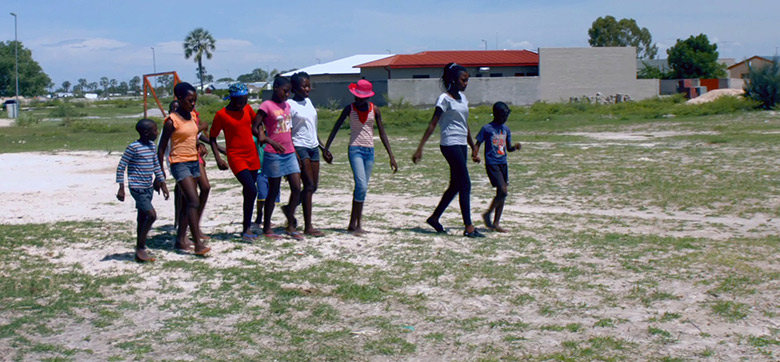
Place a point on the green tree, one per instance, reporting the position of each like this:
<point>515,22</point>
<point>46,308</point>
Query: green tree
<point>763,84</point>
<point>225,80</point>
<point>104,83</point>
<point>203,76</point>
<point>257,75</point>
<point>32,80</point>
<point>695,57</point>
<point>609,32</point>
<point>66,86</point>
<point>135,84</point>
<point>198,43</point>
<point>122,88</point>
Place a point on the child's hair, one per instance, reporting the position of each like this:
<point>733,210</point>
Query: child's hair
<point>171,107</point>
<point>281,81</point>
<point>500,108</point>
<point>450,74</point>
<point>298,78</point>
<point>182,89</point>
<point>143,125</point>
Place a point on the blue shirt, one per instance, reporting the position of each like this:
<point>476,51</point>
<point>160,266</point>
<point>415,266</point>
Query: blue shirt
<point>496,139</point>
<point>142,164</point>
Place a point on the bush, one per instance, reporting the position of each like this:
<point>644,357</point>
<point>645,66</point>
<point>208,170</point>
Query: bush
<point>65,110</point>
<point>26,119</point>
<point>763,84</point>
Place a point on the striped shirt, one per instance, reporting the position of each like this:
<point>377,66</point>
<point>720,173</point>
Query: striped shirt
<point>142,166</point>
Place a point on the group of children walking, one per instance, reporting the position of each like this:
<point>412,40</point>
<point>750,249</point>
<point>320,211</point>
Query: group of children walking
<point>280,139</point>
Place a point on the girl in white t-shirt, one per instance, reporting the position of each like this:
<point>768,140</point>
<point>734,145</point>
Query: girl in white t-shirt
<point>307,145</point>
<point>452,114</point>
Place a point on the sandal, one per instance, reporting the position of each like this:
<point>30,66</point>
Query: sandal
<point>315,233</point>
<point>295,235</point>
<point>272,236</point>
<point>250,237</point>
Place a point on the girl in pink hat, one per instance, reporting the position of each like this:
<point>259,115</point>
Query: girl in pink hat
<point>362,115</point>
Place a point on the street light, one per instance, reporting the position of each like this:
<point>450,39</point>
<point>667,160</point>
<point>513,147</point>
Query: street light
<point>485,41</point>
<point>16,54</point>
<point>154,64</point>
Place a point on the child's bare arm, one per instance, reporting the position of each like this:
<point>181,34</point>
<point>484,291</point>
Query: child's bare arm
<point>325,152</point>
<point>385,141</point>
<point>164,139</point>
<point>120,194</point>
<point>259,132</point>
<point>475,152</point>
<point>344,114</point>
<point>428,131</point>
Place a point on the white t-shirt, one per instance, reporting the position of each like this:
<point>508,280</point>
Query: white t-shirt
<point>304,123</point>
<point>454,120</point>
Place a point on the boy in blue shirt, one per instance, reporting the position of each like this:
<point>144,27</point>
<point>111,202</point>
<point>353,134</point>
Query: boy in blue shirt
<point>144,176</point>
<point>498,141</point>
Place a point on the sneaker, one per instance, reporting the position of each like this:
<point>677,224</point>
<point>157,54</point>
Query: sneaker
<point>473,234</point>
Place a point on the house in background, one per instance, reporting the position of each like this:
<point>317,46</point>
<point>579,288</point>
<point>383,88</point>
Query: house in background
<point>740,70</point>
<point>429,64</point>
<point>329,81</point>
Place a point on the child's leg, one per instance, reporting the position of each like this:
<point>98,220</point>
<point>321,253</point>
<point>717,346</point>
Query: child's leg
<point>262,194</point>
<point>205,190</point>
<point>309,175</point>
<point>248,180</point>
<point>273,191</point>
<point>358,166</point>
<point>145,221</point>
<point>177,205</point>
<point>190,192</point>
<point>295,193</point>
<point>501,194</point>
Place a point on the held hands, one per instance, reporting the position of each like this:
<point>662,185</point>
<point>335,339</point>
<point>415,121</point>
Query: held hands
<point>327,156</point>
<point>202,151</point>
<point>475,157</point>
<point>120,195</point>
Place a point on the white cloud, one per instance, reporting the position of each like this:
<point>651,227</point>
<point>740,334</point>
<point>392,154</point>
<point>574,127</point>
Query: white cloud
<point>523,44</point>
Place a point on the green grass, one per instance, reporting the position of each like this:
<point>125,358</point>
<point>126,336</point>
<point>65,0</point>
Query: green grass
<point>617,247</point>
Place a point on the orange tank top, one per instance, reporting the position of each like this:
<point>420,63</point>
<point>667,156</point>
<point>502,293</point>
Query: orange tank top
<point>184,138</point>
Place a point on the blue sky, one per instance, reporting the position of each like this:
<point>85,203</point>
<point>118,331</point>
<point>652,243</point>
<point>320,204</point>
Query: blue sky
<point>74,39</point>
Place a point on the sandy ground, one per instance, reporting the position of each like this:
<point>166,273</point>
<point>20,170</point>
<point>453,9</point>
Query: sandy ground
<point>78,186</point>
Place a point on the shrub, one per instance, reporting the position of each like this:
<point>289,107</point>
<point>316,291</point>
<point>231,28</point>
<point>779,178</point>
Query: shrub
<point>26,119</point>
<point>763,84</point>
<point>65,110</point>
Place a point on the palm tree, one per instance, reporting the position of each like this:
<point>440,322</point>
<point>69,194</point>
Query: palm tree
<point>199,42</point>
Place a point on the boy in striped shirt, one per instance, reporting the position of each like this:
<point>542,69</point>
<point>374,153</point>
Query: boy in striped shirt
<point>144,176</point>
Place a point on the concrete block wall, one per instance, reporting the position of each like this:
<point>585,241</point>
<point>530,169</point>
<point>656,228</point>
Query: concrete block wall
<point>574,72</point>
<point>512,90</point>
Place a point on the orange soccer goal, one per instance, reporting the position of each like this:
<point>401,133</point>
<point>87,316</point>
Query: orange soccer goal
<point>148,88</point>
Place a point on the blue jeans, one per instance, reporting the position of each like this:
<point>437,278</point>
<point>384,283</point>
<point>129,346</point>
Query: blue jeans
<point>361,159</point>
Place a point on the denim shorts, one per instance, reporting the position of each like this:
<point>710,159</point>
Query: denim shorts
<point>143,198</point>
<point>182,170</point>
<point>311,153</point>
<point>277,165</point>
<point>262,188</point>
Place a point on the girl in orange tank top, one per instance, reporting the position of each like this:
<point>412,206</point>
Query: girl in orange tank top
<point>181,128</point>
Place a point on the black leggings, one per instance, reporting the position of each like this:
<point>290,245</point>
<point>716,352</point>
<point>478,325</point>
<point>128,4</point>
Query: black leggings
<point>460,183</point>
<point>248,179</point>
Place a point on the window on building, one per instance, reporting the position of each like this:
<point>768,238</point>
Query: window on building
<point>496,75</point>
<point>420,76</point>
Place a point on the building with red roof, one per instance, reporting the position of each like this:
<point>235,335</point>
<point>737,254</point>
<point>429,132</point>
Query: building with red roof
<point>429,64</point>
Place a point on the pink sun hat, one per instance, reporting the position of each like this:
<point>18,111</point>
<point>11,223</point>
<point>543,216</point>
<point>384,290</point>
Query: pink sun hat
<point>363,89</point>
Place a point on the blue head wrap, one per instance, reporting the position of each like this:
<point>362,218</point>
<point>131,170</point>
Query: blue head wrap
<point>237,90</point>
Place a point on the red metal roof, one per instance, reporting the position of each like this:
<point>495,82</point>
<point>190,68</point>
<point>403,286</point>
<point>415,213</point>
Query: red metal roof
<point>466,58</point>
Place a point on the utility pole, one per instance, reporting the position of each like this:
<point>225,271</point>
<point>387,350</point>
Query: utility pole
<point>485,41</point>
<point>154,65</point>
<point>16,54</point>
